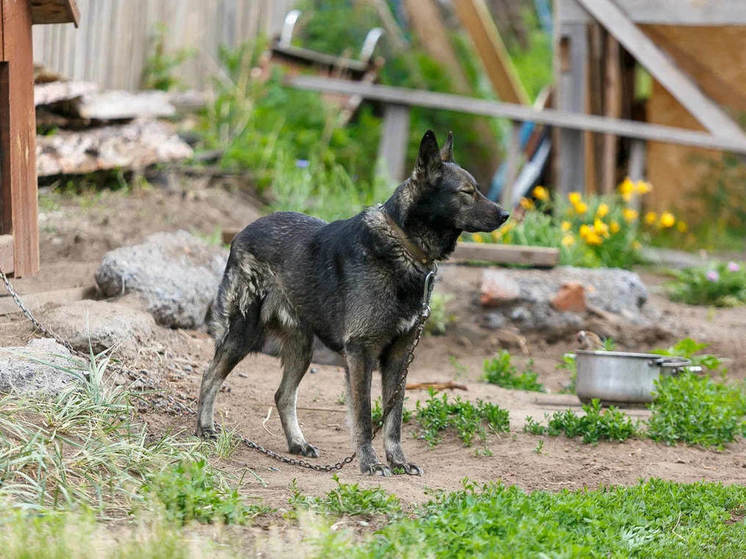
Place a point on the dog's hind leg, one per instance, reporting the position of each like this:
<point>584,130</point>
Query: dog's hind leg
<point>392,361</point>
<point>296,352</point>
<point>359,372</point>
<point>242,335</point>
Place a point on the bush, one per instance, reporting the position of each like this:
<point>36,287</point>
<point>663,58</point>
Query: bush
<point>500,371</point>
<point>438,414</point>
<point>722,285</point>
<point>596,425</point>
<point>696,410</point>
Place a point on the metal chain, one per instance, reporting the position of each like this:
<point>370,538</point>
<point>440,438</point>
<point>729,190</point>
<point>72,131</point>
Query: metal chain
<point>184,408</point>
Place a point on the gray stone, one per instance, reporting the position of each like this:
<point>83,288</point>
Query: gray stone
<point>176,274</point>
<point>35,368</point>
<point>104,325</point>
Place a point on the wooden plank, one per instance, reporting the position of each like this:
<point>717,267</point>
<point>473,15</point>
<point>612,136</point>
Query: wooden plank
<point>685,12</point>
<point>707,112</point>
<point>477,20</point>
<point>561,119</point>
<point>392,148</point>
<point>6,254</point>
<point>513,163</point>
<point>36,300</point>
<point>54,11</point>
<point>612,109</point>
<point>17,138</point>
<point>543,257</point>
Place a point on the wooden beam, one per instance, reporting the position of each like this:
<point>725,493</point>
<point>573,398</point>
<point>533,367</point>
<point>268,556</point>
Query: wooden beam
<point>612,109</point>
<point>6,254</point>
<point>707,112</point>
<point>543,257</point>
<point>685,12</point>
<point>476,18</point>
<point>392,148</point>
<point>54,11</point>
<point>561,119</point>
<point>18,196</point>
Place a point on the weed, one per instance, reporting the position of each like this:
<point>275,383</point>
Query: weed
<point>439,318</point>
<point>159,69</point>
<point>438,414</point>
<point>458,366</point>
<point>722,285</point>
<point>376,413</point>
<point>194,491</point>
<point>568,364</point>
<point>348,499</point>
<point>690,349</point>
<point>696,410</point>
<point>226,443</point>
<point>539,446</point>
<point>611,424</point>
<point>500,371</point>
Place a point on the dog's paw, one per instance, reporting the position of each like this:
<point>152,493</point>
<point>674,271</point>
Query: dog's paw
<point>207,433</point>
<point>378,469</point>
<point>405,468</point>
<point>304,449</point>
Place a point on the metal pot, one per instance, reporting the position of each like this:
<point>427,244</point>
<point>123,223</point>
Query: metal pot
<point>619,377</point>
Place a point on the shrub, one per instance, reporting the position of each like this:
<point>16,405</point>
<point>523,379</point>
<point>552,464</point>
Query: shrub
<point>696,410</point>
<point>438,414</point>
<point>722,285</point>
<point>500,371</point>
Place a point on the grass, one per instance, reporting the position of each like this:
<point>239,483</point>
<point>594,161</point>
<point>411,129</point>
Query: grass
<point>500,371</point>
<point>348,499</point>
<point>439,414</point>
<point>721,285</point>
<point>594,426</point>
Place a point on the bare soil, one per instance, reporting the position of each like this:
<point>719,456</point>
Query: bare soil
<point>77,230</point>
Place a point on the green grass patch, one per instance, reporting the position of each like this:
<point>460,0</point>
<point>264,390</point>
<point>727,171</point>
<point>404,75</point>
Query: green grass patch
<point>348,499</point>
<point>438,414</point>
<point>500,371</point>
<point>596,425</point>
<point>721,285</point>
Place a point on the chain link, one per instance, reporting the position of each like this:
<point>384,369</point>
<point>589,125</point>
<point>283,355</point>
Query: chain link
<point>184,409</point>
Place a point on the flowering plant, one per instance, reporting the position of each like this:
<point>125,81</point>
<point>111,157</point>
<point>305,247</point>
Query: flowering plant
<point>722,285</point>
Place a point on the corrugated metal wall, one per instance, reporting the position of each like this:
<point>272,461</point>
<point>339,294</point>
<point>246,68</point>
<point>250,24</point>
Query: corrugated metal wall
<point>115,36</point>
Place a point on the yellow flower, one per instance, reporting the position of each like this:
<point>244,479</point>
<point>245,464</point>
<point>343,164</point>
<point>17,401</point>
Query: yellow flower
<point>600,228</point>
<point>681,226</point>
<point>627,188</point>
<point>496,234</point>
<point>667,219</point>
<point>541,193</point>
<point>568,240</point>
<point>566,226</point>
<point>643,187</point>
<point>629,214</point>
<point>585,230</point>
<point>527,204</point>
<point>581,207</point>
<point>593,239</point>
<point>477,238</point>
<point>602,210</point>
<point>651,217</point>
<point>614,227</point>
<point>636,245</point>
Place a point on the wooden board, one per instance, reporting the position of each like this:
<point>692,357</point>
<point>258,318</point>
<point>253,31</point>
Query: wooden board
<point>477,20</point>
<point>561,119</point>
<point>393,145</point>
<point>664,12</point>
<point>18,198</point>
<point>708,113</point>
<point>542,257</point>
<point>54,11</point>
<point>6,254</point>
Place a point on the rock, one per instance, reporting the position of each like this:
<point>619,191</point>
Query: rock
<point>103,324</point>
<point>21,368</point>
<point>570,298</point>
<point>176,274</point>
<point>497,288</point>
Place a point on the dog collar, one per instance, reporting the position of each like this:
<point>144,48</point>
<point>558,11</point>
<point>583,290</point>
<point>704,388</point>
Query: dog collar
<point>415,252</point>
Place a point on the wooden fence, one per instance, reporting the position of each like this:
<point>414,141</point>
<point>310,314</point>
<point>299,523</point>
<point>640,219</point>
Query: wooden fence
<point>115,37</point>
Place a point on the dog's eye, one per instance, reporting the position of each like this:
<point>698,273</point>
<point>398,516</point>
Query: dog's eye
<point>469,190</point>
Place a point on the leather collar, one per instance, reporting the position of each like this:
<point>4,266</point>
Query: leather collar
<point>414,250</point>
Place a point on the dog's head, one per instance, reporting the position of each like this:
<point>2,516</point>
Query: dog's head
<point>448,195</point>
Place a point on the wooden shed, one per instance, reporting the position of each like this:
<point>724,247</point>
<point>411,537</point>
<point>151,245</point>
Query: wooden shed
<point>19,232</point>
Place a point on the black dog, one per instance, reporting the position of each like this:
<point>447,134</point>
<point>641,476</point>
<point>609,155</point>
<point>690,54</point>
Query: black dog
<point>357,284</point>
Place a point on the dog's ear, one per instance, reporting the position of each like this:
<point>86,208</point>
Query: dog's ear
<point>446,154</point>
<point>429,164</point>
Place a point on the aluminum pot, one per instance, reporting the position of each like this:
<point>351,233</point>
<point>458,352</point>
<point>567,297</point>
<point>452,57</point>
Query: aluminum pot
<point>619,377</point>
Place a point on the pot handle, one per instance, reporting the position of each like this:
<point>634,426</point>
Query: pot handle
<point>676,364</point>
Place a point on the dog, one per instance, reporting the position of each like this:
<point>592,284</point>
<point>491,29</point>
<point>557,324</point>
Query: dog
<point>356,284</point>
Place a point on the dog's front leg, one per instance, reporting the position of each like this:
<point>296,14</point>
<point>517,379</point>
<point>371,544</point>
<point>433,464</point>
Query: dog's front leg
<point>392,362</point>
<point>358,373</point>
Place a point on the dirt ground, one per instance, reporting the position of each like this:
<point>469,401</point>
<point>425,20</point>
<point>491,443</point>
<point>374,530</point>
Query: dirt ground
<point>77,230</point>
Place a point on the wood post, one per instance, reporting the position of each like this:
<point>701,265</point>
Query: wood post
<point>18,193</point>
<point>513,163</point>
<point>613,109</point>
<point>392,148</point>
